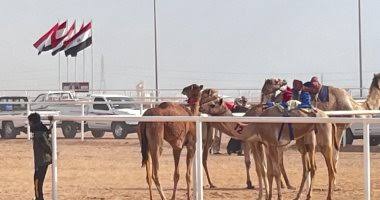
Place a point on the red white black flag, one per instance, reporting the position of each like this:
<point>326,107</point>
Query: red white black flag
<point>58,35</point>
<point>44,43</point>
<point>61,42</point>
<point>79,41</point>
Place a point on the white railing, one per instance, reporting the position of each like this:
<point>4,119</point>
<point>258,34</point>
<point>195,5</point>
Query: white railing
<point>198,173</point>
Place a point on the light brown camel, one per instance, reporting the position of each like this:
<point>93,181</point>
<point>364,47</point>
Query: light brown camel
<point>177,134</point>
<point>325,141</point>
<point>211,94</point>
<point>339,99</point>
<point>269,134</point>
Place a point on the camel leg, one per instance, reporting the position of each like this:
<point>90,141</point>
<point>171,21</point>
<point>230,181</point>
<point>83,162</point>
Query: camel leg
<point>276,170</point>
<point>305,170</point>
<point>335,157</point>
<point>189,163</point>
<point>156,179</point>
<point>313,167</point>
<point>155,149</point>
<point>271,170</point>
<point>149,176</point>
<point>261,168</point>
<point>282,168</point>
<point>259,163</point>
<point>247,159</point>
<point>176,155</point>
<point>206,148</point>
<point>327,154</point>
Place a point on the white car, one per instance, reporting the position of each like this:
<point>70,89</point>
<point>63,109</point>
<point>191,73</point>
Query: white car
<point>355,131</point>
<point>12,128</point>
<point>109,107</point>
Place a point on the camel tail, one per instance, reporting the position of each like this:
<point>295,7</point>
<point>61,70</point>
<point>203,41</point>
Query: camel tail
<point>335,139</point>
<point>143,143</point>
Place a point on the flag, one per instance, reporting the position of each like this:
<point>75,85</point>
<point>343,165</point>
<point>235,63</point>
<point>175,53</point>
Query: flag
<point>58,35</point>
<point>79,41</point>
<point>64,42</point>
<point>45,40</point>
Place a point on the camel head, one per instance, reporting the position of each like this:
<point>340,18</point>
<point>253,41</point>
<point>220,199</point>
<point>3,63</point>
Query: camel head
<point>192,91</point>
<point>208,95</point>
<point>272,85</point>
<point>376,81</point>
<point>215,107</point>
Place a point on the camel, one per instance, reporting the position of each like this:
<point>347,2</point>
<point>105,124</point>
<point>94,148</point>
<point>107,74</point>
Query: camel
<point>268,134</point>
<point>177,134</point>
<point>339,99</point>
<point>210,94</point>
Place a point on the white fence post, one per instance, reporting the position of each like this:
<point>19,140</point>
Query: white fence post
<point>54,162</point>
<point>28,126</point>
<point>198,173</point>
<point>344,137</point>
<point>82,124</point>
<point>367,166</point>
<point>141,108</point>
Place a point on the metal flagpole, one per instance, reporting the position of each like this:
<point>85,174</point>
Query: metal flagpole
<point>92,60</point>
<point>59,71</point>
<point>92,68</point>
<point>75,64</point>
<point>67,69</point>
<point>84,65</point>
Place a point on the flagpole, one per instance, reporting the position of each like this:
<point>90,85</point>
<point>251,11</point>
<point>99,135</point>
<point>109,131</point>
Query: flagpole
<point>92,68</point>
<point>92,59</point>
<point>75,61</point>
<point>84,65</point>
<point>67,69</point>
<point>59,71</point>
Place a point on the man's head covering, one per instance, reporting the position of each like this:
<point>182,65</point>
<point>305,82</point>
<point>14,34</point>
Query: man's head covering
<point>314,79</point>
<point>287,94</point>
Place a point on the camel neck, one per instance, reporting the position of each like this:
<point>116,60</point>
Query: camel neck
<point>373,99</point>
<point>195,107</point>
<point>233,129</point>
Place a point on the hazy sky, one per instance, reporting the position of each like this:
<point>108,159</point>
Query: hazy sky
<point>219,43</point>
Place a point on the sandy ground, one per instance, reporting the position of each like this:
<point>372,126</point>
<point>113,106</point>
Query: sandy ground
<point>110,169</point>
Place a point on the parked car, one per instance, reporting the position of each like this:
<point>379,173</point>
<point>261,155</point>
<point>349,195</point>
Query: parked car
<point>98,129</point>
<point>119,129</point>
<point>355,131</point>
<point>12,128</point>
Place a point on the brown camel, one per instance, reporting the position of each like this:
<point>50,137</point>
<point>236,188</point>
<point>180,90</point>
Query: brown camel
<point>269,135</point>
<point>177,134</point>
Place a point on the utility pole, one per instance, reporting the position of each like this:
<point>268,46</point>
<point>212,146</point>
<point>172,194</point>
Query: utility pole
<point>360,50</point>
<point>155,47</point>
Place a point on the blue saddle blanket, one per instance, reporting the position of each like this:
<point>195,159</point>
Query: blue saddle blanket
<point>323,95</point>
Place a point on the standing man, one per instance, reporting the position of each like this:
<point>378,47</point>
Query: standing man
<point>42,152</point>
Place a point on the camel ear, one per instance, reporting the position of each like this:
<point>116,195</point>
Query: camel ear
<point>192,87</point>
<point>201,87</point>
<point>209,92</point>
<point>220,101</point>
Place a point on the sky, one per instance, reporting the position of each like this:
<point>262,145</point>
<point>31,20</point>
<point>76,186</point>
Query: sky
<point>217,43</point>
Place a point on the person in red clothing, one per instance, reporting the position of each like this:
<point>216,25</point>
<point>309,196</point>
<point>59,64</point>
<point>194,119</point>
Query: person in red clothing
<point>287,94</point>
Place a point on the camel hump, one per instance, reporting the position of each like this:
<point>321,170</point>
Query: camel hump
<point>165,105</point>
